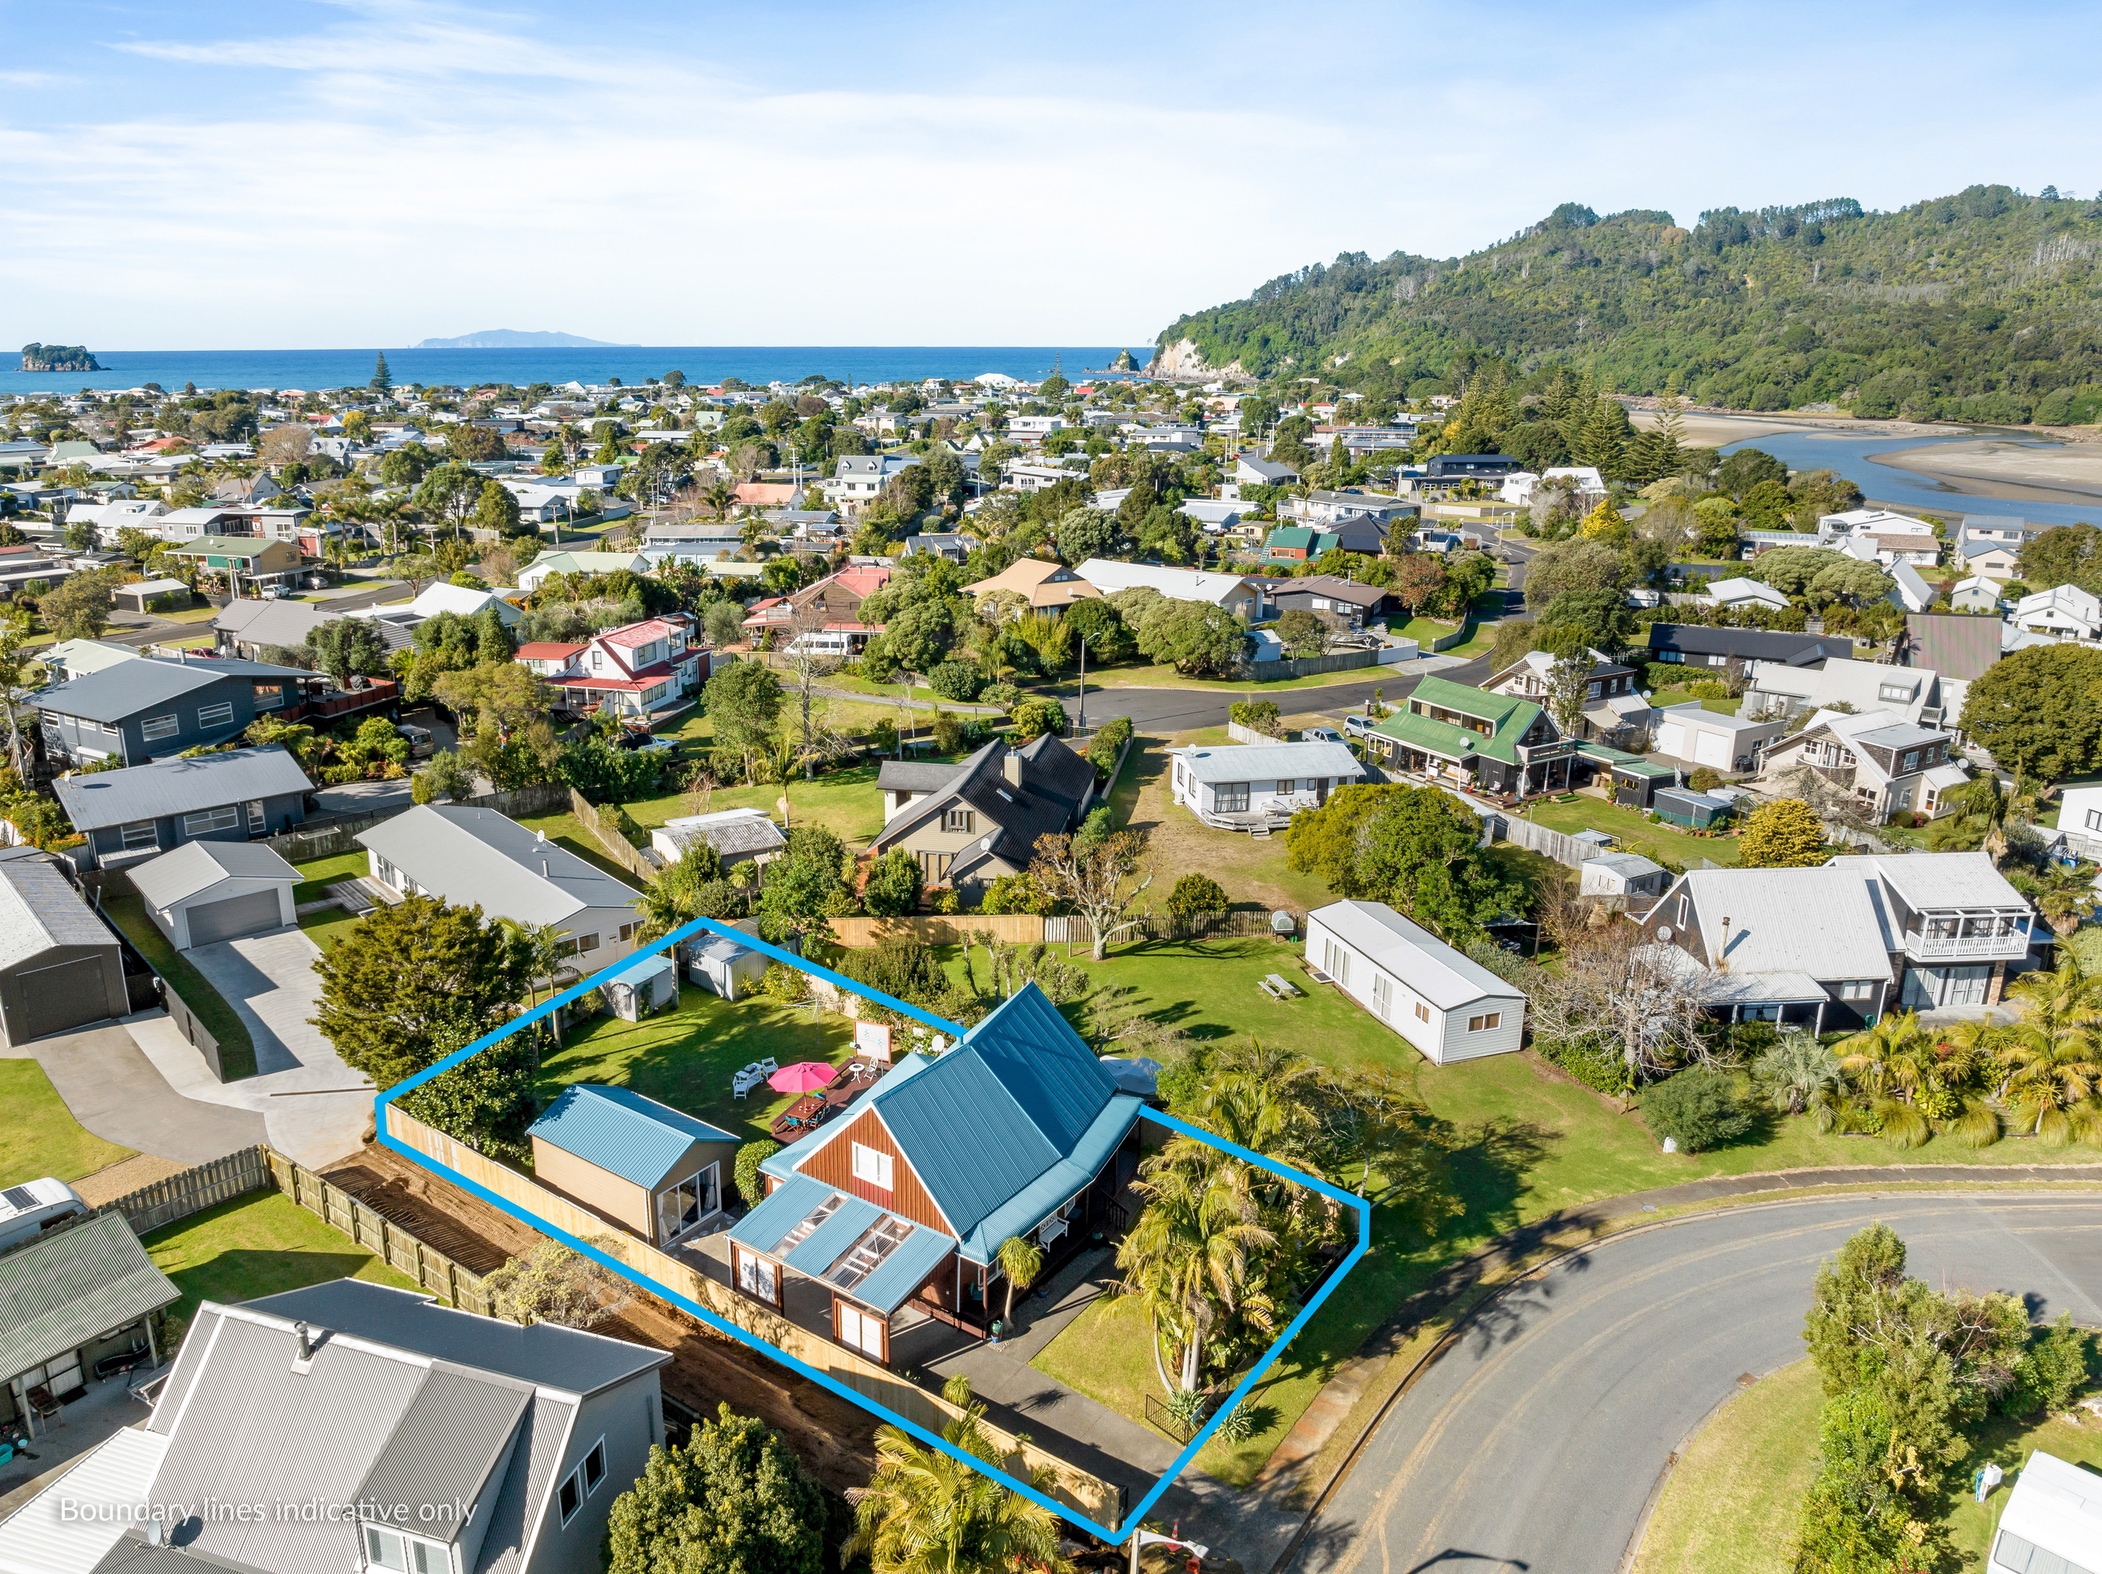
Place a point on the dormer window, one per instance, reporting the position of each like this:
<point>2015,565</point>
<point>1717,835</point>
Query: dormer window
<point>394,1550</point>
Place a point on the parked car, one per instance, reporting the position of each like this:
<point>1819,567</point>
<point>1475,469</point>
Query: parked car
<point>1358,726</point>
<point>1320,735</point>
<point>421,744</point>
<point>27,1210</point>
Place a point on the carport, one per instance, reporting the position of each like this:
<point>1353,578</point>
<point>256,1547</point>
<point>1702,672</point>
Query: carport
<point>204,892</point>
<point>60,965</point>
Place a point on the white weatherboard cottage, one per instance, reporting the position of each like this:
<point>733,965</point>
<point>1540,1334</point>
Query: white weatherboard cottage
<point>1221,783</point>
<point>1447,1006</point>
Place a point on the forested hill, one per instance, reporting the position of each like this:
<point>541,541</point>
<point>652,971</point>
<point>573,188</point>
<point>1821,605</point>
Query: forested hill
<point>1982,306</point>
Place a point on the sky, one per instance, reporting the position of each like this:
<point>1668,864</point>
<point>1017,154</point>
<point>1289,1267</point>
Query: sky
<point>301,175</point>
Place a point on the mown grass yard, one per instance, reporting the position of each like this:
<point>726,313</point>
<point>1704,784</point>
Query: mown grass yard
<point>236,1048</point>
<point>316,875</point>
<point>42,1137</point>
<point>1524,1141</point>
<point>259,1244</point>
<point>1731,1503</point>
<point>686,1057</point>
<point>1664,697</point>
<point>845,802</point>
<point>1638,834</point>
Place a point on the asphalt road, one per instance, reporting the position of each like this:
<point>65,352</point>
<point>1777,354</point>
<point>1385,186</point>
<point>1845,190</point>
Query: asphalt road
<point>1534,1442</point>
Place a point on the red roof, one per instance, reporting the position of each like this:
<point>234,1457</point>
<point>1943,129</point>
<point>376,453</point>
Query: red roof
<point>641,633</point>
<point>655,673</point>
<point>546,650</point>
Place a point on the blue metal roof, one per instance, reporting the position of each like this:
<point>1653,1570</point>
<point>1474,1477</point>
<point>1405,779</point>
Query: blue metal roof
<point>901,1272</point>
<point>647,965</point>
<point>1042,1197</point>
<point>622,1132</point>
<point>1047,1066</point>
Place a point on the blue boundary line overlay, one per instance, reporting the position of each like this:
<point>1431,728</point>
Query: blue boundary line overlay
<point>1114,1535</point>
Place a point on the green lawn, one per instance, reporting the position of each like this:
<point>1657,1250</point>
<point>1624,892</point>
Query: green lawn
<point>685,1058</point>
<point>1730,1505</point>
<point>258,1244</point>
<point>236,1050</point>
<point>1143,677</point>
<point>1424,630</point>
<point>845,802</point>
<point>1665,843</point>
<point>316,875</point>
<point>326,927</point>
<point>43,1138</point>
<point>1524,1143</point>
<point>1664,697</point>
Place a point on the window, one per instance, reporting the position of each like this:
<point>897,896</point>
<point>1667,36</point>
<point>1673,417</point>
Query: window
<point>627,932</point>
<point>1901,692</point>
<point>158,727</point>
<point>959,820</point>
<point>1286,786</point>
<point>139,834</point>
<point>859,1331</point>
<point>1592,689</point>
<point>219,715</point>
<point>1482,1024</point>
<point>572,1495</point>
<point>2094,819</point>
<point>1423,1012</point>
<point>755,1276</point>
<point>1912,759</point>
<point>1382,994</point>
<point>595,1466</point>
<point>257,823</point>
<point>1857,989</point>
<point>205,821</point>
<point>269,696</point>
<point>872,1167</point>
<point>1230,798</point>
<point>1335,962</point>
<point>388,1548</point>
<point>587,942</point>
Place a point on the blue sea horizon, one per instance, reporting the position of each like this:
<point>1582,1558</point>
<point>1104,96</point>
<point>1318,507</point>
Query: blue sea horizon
<point>702,364</point>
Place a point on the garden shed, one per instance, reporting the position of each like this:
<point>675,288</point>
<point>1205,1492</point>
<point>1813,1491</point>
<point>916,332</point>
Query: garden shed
<point>1696,811</point>
<point>642,987</point>
<point>723,967</point>
<point>645,1166</point>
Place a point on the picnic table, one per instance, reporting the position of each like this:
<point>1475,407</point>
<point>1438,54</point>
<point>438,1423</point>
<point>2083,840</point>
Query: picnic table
<point>1278,987</point>
<point>801,1118</point>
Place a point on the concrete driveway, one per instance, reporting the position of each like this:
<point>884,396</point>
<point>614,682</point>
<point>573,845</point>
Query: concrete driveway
<point>115,1091</point>
<point>1536,1440</point>
<point>316,1108</point>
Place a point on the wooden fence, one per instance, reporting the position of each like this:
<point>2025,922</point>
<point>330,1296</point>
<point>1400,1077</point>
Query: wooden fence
<point>158,991</point>
<point>252,1169</point>
<point>1101,1500</point>
<point>605,828</point>
<point>1058,929</point>
<point>1558,845</point>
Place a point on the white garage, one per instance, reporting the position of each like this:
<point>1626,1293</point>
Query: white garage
<point>205,892</point>
<point>1699,736</point>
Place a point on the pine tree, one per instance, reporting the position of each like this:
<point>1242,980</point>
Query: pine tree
<point>382,380</point>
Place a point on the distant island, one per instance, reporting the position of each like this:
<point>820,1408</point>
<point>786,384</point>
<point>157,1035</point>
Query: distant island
<point>58,358</point>
<point>517,339</point>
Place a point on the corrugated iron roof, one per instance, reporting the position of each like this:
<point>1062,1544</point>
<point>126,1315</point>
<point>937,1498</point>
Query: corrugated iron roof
<point>60,1292</point>
<point>622,1132</point>
<point>198,866</point>
<point>151,792</point>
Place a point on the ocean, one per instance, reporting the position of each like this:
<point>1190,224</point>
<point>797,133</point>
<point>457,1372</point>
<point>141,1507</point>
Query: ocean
<point>702,364</point>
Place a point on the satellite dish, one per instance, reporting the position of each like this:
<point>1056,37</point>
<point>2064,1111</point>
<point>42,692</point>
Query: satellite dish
<point>1664,934</point>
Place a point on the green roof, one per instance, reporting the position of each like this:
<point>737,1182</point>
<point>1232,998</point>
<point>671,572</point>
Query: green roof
<point>1509,717</point>
<point>1291,536</point>
<point>1621,760</point>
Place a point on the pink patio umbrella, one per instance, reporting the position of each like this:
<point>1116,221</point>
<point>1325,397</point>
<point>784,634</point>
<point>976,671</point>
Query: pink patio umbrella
<point>805,1076</point>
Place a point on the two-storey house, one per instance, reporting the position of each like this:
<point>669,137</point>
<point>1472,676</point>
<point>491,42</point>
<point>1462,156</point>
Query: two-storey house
<point>153,709</point>
<point>634,670</point>
<point>137,813</point>
<point>1890,765</point>
<point>1840,945</point>
<point>1612,703</point>
<point>1467,738</point>
<point>969,824</point>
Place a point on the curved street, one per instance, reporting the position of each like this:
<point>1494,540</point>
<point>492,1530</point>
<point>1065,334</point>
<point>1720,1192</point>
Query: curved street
<point>1535,1441</point>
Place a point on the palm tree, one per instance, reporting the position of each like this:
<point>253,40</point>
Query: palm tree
<point>539,947</point>
<point>2065,897</point>
<point>1187,1258</point>
<point>2054,1068</point>
<point>1020,1262</point>
<point>1889,1064</point>
<point>924,1512</point>
<point>1800,1076</point>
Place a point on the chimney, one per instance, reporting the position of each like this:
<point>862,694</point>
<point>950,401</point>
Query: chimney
<point>306,1343</point>
<point>1011,767</point>
<point>1722,954</point>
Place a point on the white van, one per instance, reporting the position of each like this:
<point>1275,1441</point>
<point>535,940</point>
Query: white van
<point>27,1210</point>
<point>2052,1522</point>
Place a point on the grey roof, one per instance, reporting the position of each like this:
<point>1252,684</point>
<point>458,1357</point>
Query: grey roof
<point>917,775</point>
<point>1257,762</point>
<point>448,1440</point>
<point>273,622</point>
<point>1055,782</point>
<point>1443,976</point>
<point>1954,646</point>
<point>59,1292</point>
<point>150,792</point>
<point>481,858</point>
<point>132,686</point>
<point>1334,589</point>
<point>734,833</point>
<point>1631,866</point>
<point>1823,922</point>
<point>39,909</point>
<point>1943,880</point>
<point>582,1363</point>
<point>1748,644</point>
<point>198,866</point>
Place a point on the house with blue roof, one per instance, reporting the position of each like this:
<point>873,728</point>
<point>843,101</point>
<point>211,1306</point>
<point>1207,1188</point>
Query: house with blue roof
<point>634,1162</point>
<point>898,1208</point>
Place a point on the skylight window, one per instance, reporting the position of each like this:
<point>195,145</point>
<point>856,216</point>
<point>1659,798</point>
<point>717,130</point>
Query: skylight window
<point>866,1255</point>
<point>803,1231</point>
